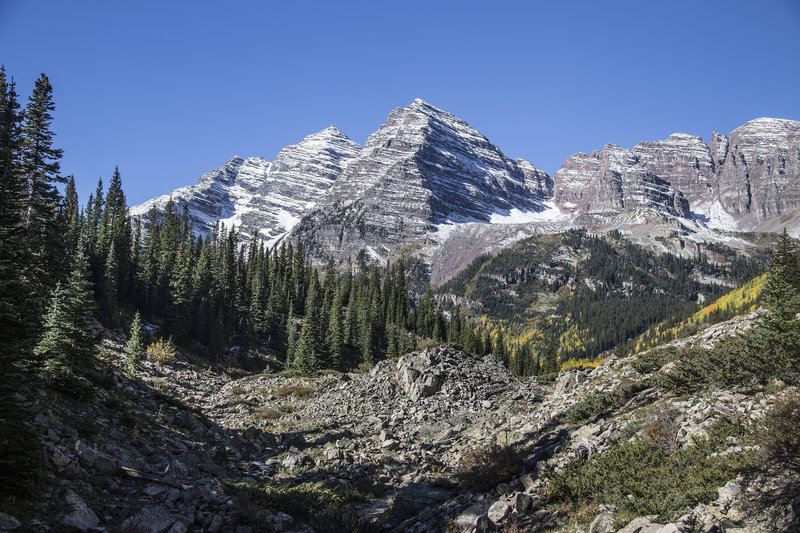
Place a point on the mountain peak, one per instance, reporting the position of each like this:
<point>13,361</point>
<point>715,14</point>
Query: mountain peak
<point>329,133</point>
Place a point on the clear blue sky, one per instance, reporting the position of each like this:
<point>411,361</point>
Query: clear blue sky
<point>168,90</point>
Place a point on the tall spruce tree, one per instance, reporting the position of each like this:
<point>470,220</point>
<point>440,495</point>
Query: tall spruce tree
<point>68,344</point>
<point>335,332</point>
<point>40,166</point>
<point>310,353</point>
<point>18,321</point>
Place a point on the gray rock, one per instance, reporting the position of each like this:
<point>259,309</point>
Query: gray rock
<point>77,514</point>
<point>59,458</point>
<point>468,519</point>
<point>105,464</point>
<point>524,502</point>
<point>8,522</point>
<point>178,527</point>
<point>728,493</point>
<point>86,454</point>
<point>150,519</point>
<point>498,511</point>
<point>638,525</point>
<point>187,420</point>
<point>606,522</point>
<point>294,459</point>
<point>527,482</point>
<point>216,524</point>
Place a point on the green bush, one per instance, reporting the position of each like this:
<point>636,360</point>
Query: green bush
<point>736,361</point>
<point>325,508</point>
<point>652,360</point>
<point>601,403</point>
<point>641,478</point>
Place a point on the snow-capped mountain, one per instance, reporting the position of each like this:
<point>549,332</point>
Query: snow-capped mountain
<point>427,184</point>
<point>259,197</point>
<point>220,195</point>
<point>422,169</point>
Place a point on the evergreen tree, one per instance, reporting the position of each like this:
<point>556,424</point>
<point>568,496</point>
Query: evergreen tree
<point>291,337</point>
<point>335,333</point>
<point>18,320</point>
<point>134,349</point>
<point>310,353</point>
<point>68,345</point>
<point>72,216</point>
<point>40,167</point>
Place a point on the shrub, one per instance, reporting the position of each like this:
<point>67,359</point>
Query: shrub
<point>662,430</point>
<point>601,403</point>
<point>779,453</point>
<point>303,500</point>
<point>161,352</point>
<point>641,479</point>
<point>486,466</point>
<point>652,360</point>
<point>267,413</point>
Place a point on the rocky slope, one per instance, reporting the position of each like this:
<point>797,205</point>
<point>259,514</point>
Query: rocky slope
<point>164,448</point>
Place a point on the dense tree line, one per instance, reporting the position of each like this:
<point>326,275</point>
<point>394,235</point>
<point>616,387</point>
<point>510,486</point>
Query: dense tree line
<point>611,292</point>
<point>60,264</point>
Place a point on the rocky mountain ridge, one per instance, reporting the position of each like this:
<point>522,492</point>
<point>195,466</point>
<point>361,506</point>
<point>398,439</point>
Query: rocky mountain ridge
<point>425,178</point>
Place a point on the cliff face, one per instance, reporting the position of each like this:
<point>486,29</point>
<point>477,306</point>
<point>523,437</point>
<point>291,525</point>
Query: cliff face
<point>426,183</point>
<point>760,175</point>
<point>422,168</point>
<point>614,180</point>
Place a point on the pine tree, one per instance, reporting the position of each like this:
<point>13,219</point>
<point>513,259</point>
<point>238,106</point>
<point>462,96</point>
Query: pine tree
<point>18,320</point>
<point>72,215</point>
<point>69,345</point>
<point>309,355</point>
<point>291,337</point>
<point>134,349</point>
<point>335,333</point>
<point>40,167</point>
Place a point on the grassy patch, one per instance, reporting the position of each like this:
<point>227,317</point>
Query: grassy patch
<point>296,390</point>
<point>325,508</point>
<point>267,413</point>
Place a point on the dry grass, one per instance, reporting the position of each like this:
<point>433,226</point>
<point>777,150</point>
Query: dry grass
<point>486,466</point>
<point>159,384</point>
<point>161,352</point>
<point>297,390</point>
<point>266,413</point>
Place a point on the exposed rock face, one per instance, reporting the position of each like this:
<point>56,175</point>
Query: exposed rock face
<point>683,160</point>
<point>760,175</point>
<point>613,180</point>
<point>260,197</point>
<point>221,194</point>
<point>423,167</point>
<point>298,176</point>
<point>428,184</point>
